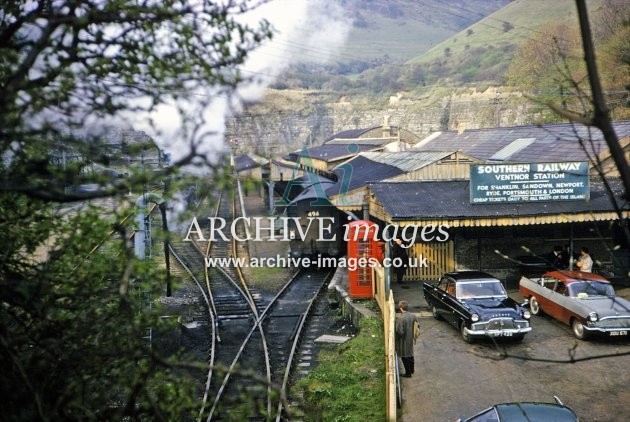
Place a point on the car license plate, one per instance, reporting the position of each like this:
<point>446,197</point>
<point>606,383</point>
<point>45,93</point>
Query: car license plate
<point>619,333</point>
<point>506,334</point>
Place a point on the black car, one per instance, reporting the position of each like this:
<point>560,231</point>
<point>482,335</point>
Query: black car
<point>477,305</point>
<point>526,412</point>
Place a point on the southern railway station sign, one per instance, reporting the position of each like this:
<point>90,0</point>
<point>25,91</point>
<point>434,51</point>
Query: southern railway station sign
<point>501,183</point>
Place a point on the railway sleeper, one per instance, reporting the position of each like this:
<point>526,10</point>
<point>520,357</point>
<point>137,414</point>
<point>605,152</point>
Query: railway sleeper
<point>234,316</point>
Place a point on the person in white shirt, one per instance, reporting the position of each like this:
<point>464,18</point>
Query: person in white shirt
<point>585,262</point>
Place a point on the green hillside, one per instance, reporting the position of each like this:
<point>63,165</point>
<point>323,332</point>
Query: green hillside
<point>403,40</point>
<point>402,29</point>
<point>377,59</point>
<point>506,28</point>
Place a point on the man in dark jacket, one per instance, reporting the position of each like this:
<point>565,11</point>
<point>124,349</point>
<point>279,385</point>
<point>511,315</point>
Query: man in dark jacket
<point>404,337</point>
<point>399,265</point>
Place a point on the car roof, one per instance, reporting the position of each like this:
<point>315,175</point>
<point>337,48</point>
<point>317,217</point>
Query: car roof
<point>470,275</point>
<point>534,412</point>
<point>568,277</point>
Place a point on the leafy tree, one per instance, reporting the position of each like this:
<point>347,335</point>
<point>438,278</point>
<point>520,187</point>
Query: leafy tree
<point>72,326</point>
<point>551,65</point>
<point>339,83</point>
<point>611,31</point>
<point>595,112</point>
<point>578,71</point>
<point>544,63</point>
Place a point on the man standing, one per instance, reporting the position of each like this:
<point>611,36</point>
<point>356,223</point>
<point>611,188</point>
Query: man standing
<point>399,260</point>
<point>556,258</point>
<point>405,338</point>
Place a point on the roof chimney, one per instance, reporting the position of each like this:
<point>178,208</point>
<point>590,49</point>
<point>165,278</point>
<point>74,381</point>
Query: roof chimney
<point>386,128</point>
<point>460,126</point>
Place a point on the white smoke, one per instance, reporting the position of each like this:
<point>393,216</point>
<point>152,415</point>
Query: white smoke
<point>304,31</point>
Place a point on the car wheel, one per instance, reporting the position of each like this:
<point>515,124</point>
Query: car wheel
<point>534,306</point>
<point>434,311</point>
<point>578,329</point>
<point>462,329</point>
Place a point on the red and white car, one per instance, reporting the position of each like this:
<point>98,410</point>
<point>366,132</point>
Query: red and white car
<point>584,301</point>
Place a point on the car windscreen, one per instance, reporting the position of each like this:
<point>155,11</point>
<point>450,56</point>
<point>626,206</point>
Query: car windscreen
<point>480,289</point>
<point>584,289</point>
<point>528,412</point>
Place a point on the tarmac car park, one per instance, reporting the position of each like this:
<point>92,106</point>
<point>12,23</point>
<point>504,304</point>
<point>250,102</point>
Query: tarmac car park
<point>457,380</point>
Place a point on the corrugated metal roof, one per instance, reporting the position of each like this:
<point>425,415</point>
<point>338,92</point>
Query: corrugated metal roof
<point>361,141</point>
<point>244,162</point>
<point>350,133</point>
<point>357,172</point>
<point>511,149</point>
<point>407,160</point>
<point>333,152</point>
<point>285,164</point>
<point>258,159</point>
<point>315,187</point>
<point>415,200</point>
<point>553,142</point>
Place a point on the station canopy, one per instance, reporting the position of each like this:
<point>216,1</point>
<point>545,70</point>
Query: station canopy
<point>448,202</point>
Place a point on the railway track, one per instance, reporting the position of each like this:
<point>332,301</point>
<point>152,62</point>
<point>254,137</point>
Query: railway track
<point>285,323</point>
<point>254,338</point>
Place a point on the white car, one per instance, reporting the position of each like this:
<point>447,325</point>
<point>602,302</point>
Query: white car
<point>584,301</point>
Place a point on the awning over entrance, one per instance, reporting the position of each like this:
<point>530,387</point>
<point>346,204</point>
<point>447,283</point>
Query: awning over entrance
<point>448,203</point>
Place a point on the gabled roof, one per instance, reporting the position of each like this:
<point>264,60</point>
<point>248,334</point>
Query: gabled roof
<point>247,161</point>
<point>244,162</point>
<point>361,141</point>
<point>524,144</point>
<point>450,200</point>
<point>376,166</point>
<point>284,163</point>
<point>332,152</point>
<point>358,172</point>
<point>350,133</point>
<point>314,188</point>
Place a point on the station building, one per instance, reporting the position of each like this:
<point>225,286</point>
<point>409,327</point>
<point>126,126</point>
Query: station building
<point>288,173</point>
<point>393,177</point>
<point>351,193</point>
<point>495,233</point>
<point>496,237</point>
<point>251,170</point>
<point>344,145</point>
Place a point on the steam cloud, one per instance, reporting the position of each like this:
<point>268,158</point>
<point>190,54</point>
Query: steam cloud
<point>304,31</point>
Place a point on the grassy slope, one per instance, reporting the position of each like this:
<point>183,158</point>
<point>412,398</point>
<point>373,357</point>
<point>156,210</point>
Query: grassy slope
<point>398,39</point>
<point>526,16</point>
<point>421,26</point>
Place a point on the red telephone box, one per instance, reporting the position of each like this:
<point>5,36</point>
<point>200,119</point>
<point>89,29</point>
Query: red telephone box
<point>362,244</point>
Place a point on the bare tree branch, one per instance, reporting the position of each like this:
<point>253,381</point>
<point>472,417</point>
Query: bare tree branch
<point>601,115</point>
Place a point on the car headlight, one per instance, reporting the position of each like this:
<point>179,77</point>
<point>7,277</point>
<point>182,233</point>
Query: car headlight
<point>526,314</point>
<point>474,317</point>
<point>592,316</point>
